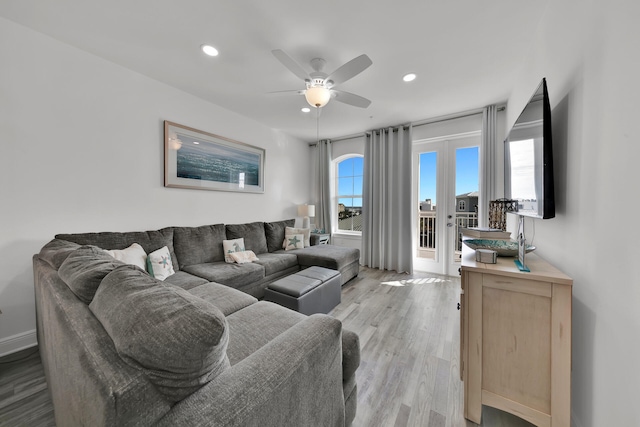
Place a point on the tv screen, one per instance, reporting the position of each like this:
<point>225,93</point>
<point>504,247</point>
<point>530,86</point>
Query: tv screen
<point>528,173</point>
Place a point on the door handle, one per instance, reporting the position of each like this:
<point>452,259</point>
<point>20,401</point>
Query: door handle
<point>449,224</point>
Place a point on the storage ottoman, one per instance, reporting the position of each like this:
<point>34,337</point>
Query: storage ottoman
<point>313,290</point>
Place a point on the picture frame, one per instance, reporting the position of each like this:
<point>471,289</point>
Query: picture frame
<point>204,161</point>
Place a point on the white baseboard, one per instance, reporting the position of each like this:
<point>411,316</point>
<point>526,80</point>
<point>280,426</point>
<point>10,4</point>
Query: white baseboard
<point>18,342</point>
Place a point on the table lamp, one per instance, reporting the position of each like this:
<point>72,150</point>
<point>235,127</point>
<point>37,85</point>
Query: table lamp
<point>305,211</point>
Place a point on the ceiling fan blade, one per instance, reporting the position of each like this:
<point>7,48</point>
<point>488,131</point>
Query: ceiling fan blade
<point>351,99</point>
<point>288,92</point>
<point>350,69</point>
<point>291,65</point>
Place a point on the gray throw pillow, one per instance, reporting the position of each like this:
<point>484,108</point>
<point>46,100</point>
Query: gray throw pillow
<point>150,241</point>
<point>253,235</point>
<point>177,339</point>
<point>84,269</point>
<point>275,233</point>
<point>199,245</point>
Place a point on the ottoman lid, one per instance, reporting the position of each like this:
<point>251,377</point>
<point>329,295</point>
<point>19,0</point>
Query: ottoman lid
<point>294,285</point>
<point>320,273</point>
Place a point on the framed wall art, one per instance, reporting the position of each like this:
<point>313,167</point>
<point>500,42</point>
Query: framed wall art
<point>204,161</point>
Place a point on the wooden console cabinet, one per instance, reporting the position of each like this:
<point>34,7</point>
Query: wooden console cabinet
<point>515,339</point>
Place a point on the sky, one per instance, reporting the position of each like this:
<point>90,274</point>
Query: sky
<point>466,173</point>
<point>351,173</point>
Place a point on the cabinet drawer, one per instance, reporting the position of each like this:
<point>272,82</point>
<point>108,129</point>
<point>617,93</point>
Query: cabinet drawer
<point>516,284</point>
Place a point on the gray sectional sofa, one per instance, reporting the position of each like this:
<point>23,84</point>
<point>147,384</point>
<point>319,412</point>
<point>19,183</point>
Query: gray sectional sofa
<point>120,347</point>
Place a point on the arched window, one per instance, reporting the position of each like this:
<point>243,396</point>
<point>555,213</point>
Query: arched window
<point>349,174</point>
<point>462,206</point>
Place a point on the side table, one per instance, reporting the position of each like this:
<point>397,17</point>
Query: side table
<point>319,239</point>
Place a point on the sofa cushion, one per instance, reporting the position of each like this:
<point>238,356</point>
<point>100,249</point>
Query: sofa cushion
<point>276,262</point>
<point>199,245</point>
<point>149,240</point>
<point>256,325</point>
<point>228,300</point>
<point>274,233</point>
<point>56,251</point>
<point>185,280</point>
<point>177,339</point>
<point>253,234</point>
<point>234,275</point>
<point>328,256</point>
<point>84,269</point>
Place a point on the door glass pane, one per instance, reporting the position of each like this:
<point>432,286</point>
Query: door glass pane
<point>467,186</point>
<point>427,214</point>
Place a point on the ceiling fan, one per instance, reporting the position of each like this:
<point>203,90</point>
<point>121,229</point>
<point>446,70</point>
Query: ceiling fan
<point>320,85</point>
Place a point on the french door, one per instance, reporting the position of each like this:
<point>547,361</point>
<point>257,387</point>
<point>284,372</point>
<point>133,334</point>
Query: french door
<point>447,194</point>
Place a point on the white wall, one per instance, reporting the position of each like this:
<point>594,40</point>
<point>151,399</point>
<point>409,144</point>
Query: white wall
<point>589,53</point>
<point>82,150</point>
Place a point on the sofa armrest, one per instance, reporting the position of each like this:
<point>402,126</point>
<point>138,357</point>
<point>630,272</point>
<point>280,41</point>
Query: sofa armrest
<point>296,380</point>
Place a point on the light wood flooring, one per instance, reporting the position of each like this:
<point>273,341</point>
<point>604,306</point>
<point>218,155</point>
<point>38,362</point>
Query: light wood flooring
<point>408,376</point>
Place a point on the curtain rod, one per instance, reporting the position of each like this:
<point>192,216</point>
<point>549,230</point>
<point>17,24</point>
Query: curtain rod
<point>421,123</point>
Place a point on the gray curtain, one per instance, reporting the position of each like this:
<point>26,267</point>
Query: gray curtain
<point>386,234</point>
<point>487,163</point>
<point>323,167</point>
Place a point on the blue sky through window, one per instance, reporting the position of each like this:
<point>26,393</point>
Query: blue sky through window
<point>466,173</point>
<point>350,172</point>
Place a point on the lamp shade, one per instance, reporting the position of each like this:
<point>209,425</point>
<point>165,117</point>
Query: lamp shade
<point>306,210</point>
<point>317,96</point>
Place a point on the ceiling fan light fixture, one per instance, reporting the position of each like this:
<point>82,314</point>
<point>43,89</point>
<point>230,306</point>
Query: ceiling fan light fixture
<point>209,50</point>
<point>317,96</point>
<point>409,77</point>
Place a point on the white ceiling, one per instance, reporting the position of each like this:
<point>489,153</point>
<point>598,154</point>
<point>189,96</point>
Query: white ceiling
<point>466,52</point>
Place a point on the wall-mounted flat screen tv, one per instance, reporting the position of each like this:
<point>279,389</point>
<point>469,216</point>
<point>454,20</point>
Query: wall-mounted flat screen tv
<point>528,159</point>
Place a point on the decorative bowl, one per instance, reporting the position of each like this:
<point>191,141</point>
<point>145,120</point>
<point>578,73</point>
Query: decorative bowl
<point>502,247</point>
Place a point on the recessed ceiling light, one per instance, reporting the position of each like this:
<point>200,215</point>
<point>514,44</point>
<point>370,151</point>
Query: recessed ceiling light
<point>409,77</point>
<point>306,110</point>
<point>209,50</point>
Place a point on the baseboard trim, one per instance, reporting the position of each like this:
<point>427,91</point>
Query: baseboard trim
<point>18,342</point>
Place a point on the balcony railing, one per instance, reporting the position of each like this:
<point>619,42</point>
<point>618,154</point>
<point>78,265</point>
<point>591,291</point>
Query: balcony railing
<point>427,227</point>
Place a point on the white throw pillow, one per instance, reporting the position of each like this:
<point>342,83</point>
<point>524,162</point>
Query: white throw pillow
<point>243,257</point>
<point>293,241</point>
<point>134,255</point>
<point>306,232</point>
<point>231,246</point>
<point>159,264</point>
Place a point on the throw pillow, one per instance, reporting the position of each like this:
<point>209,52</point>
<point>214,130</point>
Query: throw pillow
<point>159,263</point>
<point>243,257</point>
<point>306,232</point>
<point>178,340</point>
<point>133,255</point>
<point>231,246</point>
<point>84,269</point>
<point>274,232</point>
<point>293,241</point>
<point>253,234</point>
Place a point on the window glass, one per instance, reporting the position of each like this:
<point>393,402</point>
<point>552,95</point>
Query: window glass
<point>349,194</point>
